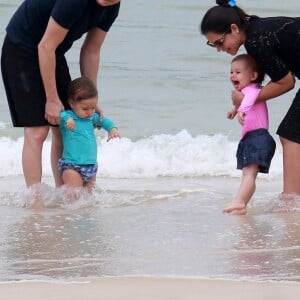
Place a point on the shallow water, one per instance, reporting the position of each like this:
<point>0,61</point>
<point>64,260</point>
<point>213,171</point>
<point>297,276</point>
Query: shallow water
<point>165,227</point>
<point>157,209</point>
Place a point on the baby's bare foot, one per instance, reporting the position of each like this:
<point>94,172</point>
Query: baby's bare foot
<point>238,211</point>
<point>235,208</point>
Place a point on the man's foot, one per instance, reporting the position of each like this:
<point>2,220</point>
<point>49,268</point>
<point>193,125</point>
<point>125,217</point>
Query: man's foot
<point>35,194</point>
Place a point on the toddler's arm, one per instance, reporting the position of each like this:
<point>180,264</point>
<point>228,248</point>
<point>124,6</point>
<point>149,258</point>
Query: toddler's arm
<point>232,113</point>
<point>237,98</point>
<point>113,133</point>
<point>108,125</point>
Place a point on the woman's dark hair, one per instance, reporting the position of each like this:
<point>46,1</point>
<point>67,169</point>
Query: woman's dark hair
<point>81,88</point>
<point>219,18</point>
<point>254,66</point>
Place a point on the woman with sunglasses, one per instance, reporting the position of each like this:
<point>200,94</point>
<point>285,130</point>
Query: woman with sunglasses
<point>274,43</point>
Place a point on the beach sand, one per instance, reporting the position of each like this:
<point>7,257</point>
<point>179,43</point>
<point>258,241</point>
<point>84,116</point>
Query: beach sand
<point>150,288</point>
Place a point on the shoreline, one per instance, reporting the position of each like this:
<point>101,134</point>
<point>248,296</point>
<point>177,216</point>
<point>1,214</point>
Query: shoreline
<point>154,288</point>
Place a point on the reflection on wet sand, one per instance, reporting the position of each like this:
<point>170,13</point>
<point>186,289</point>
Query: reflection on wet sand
<point>51,245</point>
<point>268,247</point>
<point>185,236</point>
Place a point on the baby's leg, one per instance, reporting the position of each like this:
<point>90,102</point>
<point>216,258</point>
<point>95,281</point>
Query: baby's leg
<point>73,181</point>
<point>91,184</point>
<point>245,192</point>
<point>72,178</point>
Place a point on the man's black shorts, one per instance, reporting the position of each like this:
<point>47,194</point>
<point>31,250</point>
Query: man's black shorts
<point>24,87</point>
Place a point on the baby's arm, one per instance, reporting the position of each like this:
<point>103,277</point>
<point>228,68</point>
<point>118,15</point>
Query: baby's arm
<point>113,133</point>
<point>109,126</point>
<point>250,96</point>
<point>70,123</point>
<point>237,98</point>
<point>232,113</point>
<point>67,120</point>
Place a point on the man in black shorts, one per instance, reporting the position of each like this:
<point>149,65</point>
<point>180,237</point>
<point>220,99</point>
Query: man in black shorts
<point>35,72</point>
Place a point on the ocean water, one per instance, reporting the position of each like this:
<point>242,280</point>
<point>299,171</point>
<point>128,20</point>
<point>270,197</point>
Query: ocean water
<point>157,207</point>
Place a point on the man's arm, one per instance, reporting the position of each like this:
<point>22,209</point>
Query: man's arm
<point>90,53</point>
<point>52,38</point>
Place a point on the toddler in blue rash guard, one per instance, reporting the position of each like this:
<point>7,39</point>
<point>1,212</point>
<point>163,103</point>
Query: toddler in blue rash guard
<point>78,164</point>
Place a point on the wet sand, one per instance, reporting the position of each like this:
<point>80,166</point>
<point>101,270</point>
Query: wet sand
<point>147,288</point>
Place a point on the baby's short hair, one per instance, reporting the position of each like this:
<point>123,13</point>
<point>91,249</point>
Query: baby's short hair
<point>82,88</point>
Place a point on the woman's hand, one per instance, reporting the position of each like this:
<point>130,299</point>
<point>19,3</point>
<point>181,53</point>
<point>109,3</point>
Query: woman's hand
<point>241,117</point>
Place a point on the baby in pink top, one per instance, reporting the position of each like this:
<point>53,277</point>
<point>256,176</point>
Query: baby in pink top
<point>257,113</point>
<point>246,77</point>
<point>256,147</point>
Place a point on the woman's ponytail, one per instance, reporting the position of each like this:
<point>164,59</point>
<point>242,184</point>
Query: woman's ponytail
<point>219,18</point>
<point>226,3</point>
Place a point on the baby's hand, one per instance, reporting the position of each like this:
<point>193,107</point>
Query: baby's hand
<point>114,133</point>
<point>70,124</point>
<point>231,114</point>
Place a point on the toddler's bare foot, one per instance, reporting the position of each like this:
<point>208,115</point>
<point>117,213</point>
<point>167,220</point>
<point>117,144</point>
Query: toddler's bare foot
<point>238,211</point>
<point>235,208</point>
<point>38,205</point>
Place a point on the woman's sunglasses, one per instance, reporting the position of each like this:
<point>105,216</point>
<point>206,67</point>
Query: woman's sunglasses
<point>219,42</point>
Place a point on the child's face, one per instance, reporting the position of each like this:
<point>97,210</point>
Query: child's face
<point>85,108</point>
<point>241,74</point>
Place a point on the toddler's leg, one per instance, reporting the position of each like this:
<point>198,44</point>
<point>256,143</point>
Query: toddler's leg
<point>245,192</point>
<point>72,178</point>
<point>91,184</point>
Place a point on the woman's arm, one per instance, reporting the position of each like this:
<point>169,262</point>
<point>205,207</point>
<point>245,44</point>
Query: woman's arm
<point>276,88</point>
<point>52,38</point>
<point>272,90</point>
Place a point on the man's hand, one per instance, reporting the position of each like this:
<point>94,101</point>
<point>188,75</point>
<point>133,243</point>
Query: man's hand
<point>100,112</point>
<point>52,111</point>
